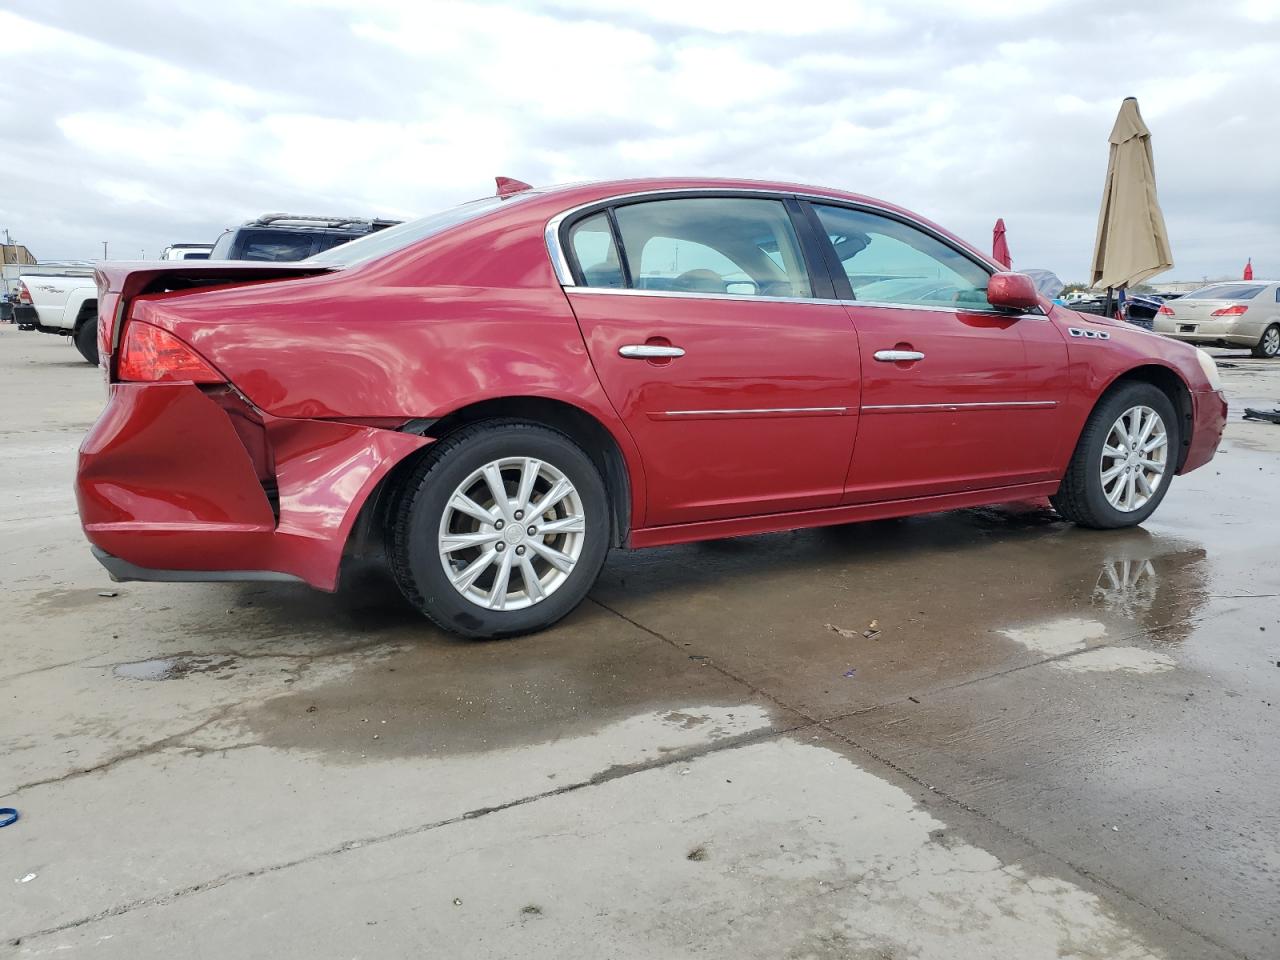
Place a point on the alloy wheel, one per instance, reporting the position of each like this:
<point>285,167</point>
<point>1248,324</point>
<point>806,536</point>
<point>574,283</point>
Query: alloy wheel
<point>1134,459</point>
<point>1271,342</point>
<point>512,533</point>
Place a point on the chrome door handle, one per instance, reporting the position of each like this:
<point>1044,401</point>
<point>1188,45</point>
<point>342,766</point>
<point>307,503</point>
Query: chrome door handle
<point>648,351</point>
<point>893,356</point>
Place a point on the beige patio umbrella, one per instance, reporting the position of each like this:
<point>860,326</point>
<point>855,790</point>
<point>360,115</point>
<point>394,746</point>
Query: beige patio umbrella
<point>1132,243</point>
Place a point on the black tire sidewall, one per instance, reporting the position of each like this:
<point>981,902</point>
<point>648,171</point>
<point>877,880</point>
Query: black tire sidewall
<point>1131,395</point>
<point>419,550</point>
<point>86,339</point>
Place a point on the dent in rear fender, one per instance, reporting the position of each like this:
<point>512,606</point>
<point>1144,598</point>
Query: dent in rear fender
<point>165,454</point>
<point>165,483</point>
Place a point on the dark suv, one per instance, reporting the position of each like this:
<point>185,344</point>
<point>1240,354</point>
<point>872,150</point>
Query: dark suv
<point>287,236</point>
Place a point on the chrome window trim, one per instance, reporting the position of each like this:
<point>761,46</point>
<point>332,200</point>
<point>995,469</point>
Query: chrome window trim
<point>564,273</point>
<point>748,298</point>
<point>560,262</point>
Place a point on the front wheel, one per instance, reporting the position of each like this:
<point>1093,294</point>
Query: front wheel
<point>1268,346</point>
<point>501,530</point>
<point>1124,460</point>
<point>86,339</point>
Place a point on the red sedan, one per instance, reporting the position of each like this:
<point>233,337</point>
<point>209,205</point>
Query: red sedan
<point>498,394</point>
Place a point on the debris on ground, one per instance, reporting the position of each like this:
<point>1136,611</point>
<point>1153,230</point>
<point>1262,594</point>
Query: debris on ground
<point>27,879</point>
<point>871,633</point>
<point>457,901</point>
<point>108,593</point>
<point>8,815</point>
<point>697,853</point>
<point>1272,416</point>
<point>848,674</point>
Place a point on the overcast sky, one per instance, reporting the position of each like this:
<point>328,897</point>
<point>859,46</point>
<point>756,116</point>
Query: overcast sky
<point>146,123</point>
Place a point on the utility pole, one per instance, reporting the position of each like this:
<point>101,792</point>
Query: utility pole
<point>104,250</point>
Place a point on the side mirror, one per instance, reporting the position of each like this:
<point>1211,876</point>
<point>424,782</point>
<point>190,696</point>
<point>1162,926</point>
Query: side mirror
<point>1013,291</point>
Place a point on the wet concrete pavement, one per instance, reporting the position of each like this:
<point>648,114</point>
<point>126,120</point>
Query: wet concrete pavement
<point>1059,742</point>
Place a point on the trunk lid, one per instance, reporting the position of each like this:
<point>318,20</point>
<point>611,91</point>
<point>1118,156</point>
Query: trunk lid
<point>119,282</point>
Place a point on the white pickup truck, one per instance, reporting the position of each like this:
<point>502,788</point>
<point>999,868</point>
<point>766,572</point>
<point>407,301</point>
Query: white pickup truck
<point>61,299</point>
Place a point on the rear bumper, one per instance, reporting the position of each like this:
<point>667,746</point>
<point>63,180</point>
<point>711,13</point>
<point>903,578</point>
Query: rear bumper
<point>171,487</point>
<point>122,571</point>
<point>1209,332</point>
<point>1209,419</point>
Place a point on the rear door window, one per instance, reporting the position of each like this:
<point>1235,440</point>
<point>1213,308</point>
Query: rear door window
<point>735,246</point>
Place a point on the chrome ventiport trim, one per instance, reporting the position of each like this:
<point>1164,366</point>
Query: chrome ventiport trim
<point>1088,334</point>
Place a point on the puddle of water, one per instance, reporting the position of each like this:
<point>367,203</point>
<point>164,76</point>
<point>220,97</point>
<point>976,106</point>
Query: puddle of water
<point>172,668</point>
<point>1126,659</point>
<point>1057,637</point>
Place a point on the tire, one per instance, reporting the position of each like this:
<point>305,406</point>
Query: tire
<point>86,339</point>
<point>1268,345</point>
<point>426,515</point>
<point>1083,498</point>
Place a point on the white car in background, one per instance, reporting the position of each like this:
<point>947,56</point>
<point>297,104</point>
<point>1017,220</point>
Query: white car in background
<point>1239,313</point>
<point>60,299</point>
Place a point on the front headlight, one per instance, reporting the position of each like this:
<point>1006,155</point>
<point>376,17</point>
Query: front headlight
<point>1210,369</point>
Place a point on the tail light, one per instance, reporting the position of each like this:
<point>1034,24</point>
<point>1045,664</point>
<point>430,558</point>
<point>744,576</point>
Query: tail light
<point>1236,311</point>
<point>1165,311</point>
<point>24,295</point>
<point>150,355</point>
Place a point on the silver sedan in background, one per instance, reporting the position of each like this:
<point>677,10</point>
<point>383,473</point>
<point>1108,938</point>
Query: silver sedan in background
<point>1244,313</point>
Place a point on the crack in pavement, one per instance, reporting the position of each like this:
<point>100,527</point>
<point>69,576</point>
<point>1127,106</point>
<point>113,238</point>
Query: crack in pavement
<point>615,772</point>
<point>154,747</point>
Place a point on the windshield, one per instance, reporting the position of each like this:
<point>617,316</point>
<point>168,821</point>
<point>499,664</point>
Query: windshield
<point>1226,291</point>
<point>386,241</point>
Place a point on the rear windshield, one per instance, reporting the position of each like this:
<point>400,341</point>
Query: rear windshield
<point>395,238</point>
<point>1226,291</point>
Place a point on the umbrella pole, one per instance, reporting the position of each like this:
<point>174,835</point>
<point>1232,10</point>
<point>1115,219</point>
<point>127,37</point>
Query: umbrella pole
<point>1106,304</point>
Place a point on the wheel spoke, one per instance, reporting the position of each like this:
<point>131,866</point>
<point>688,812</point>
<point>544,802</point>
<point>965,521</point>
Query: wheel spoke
<point>573,524</point>
<point>1156,443</point>
<point>497,490</point>
<point>1143,484</point>
<point>528,477</point>
<point>532,585</point>
<point>460,541</point>
<point>498,592</point>
<point>467,577</point>
<point>1130,488</point>
<point>553,496</point>
<point>1148,422</point>
<point>465,504</point>
<point>1113,453</point>
<point>561,561</point>
<point>1155,465</point>
<point>1113,495</point>
<point>1109,475</point>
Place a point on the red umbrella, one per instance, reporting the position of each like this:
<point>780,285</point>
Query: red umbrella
<point>1248,269</point>
<point>1000,246</point>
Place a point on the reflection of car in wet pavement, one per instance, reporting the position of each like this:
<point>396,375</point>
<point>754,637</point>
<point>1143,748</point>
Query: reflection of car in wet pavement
<point>648,362</point>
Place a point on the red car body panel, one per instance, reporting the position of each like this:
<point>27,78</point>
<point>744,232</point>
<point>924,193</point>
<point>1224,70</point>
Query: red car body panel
<point>270,473</point>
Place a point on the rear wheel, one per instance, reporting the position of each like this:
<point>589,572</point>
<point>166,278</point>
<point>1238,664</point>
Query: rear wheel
<point>501,531</point>
<point>86,338</point>
<point>1268,346</point>
<point>1124,460</point>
